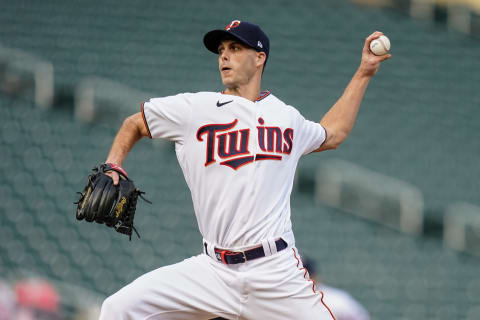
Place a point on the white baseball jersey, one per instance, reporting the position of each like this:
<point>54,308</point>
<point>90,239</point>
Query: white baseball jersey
<point>238,158</point>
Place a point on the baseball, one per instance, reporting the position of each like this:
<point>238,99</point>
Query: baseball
<point>380,46</point>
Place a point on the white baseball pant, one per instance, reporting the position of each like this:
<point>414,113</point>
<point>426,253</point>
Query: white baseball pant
<point>273,287</point>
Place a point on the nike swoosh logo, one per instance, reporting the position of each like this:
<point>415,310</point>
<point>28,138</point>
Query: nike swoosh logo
<point>219,104</point>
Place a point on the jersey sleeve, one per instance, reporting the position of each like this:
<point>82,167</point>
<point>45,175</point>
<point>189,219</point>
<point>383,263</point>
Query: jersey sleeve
<point>168,117</point>
<point>309,135</point>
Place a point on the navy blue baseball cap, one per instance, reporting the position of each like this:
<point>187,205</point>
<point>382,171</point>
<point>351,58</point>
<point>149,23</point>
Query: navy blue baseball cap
<point>245,32</point>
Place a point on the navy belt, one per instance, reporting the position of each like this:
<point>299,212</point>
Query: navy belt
<point>234,257</point>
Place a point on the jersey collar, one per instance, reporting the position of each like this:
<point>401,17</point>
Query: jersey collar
<point>263,94</point>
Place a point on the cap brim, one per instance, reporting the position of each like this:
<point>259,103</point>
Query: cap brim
<point>212,39</point>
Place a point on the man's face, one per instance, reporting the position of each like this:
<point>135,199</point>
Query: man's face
<point>237,63</point>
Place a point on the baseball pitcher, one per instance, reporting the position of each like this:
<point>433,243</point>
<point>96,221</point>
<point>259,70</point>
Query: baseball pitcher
<point>238,150</point>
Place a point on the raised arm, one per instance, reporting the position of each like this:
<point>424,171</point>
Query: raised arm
<point>339,120</point>
<point>131,131</point>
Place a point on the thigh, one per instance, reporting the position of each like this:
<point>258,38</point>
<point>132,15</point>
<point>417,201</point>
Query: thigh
<point>191,289</point>
<point>281,289</point>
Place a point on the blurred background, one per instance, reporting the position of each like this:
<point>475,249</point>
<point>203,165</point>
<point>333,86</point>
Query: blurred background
<point>392,217</point>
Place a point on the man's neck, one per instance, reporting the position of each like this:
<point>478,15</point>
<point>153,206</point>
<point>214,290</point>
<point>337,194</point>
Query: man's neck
<point>251,95</point>
<point>250,91</point>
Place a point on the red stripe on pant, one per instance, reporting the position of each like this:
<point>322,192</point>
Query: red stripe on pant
<point>313,283</point>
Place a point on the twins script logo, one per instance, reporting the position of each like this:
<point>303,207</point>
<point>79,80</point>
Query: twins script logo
<point>231,146</point>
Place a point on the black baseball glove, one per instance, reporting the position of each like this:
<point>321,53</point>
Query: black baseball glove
<point>103,202</point>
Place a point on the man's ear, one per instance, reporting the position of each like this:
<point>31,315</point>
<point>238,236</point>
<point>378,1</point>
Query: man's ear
<point>261,57</point>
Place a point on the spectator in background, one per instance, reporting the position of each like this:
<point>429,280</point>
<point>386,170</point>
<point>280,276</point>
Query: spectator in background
<point>36,300</point>
<point>7,301</point>
<point>341,303</point>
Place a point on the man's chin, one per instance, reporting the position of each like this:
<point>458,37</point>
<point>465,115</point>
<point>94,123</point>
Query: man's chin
<point>228,83</point>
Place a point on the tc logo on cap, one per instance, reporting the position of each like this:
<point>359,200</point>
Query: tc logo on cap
<point>233,24</point>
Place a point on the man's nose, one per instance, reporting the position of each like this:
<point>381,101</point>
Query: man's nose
<point>224,55</point>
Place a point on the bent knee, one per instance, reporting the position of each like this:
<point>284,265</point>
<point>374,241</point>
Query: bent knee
<point>114,307</point>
